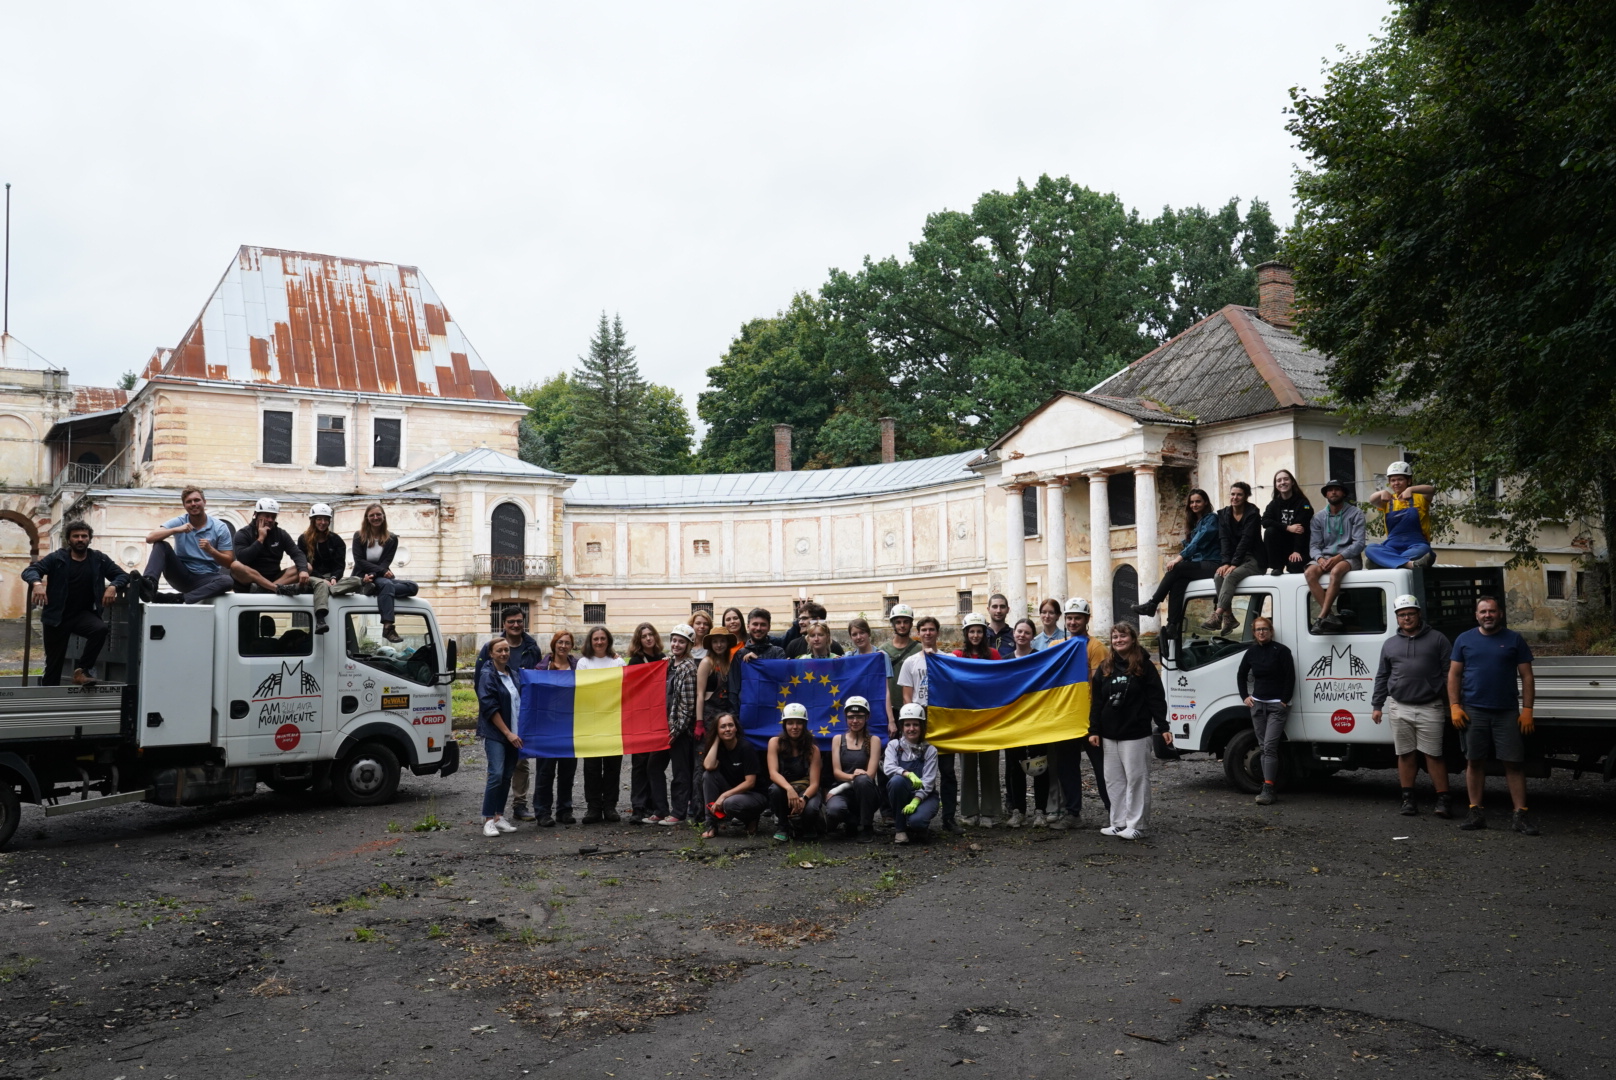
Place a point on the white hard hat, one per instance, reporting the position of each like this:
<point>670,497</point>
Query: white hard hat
<point>900,611</point>
<point>912,711</point>
<point>795,710</point>
<point>684,631</point>
<point>975,618</point>
<point>319,510</point>
<point>1077,606</point>
<point>1406,601</point>
<point>267,505</point>
<point>856,702</point>
<point>1399,468</point>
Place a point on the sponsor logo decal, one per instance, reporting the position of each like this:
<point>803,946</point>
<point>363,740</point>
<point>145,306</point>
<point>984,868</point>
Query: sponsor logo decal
<point>395,701</point>
<point>285,699</point>
<point>435,718</point>
<point>287,736</point>
<point>1339,676</point>
<point>1342,720</point>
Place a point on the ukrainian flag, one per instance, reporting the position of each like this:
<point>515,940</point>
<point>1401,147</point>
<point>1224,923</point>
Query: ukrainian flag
<point>978,705</point>
<point>603,712</point>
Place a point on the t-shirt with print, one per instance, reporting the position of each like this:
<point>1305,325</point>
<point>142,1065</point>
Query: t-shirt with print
<point>1490,667</point>
<point>737,764</point>
<point>914,675</point>
<point>188,545</point>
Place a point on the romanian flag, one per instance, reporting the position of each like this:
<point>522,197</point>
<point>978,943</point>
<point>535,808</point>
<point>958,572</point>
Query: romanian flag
<point>602,712</point>
<point>977,705</point>
<point>820,686</point>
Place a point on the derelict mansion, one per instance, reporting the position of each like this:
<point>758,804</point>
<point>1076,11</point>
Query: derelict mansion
<point>321,379</point>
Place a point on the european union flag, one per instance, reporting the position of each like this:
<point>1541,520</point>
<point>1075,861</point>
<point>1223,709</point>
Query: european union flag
<point>768,686</point>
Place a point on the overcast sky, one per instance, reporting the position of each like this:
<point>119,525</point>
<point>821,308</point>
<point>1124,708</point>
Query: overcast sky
<point>690,166</point>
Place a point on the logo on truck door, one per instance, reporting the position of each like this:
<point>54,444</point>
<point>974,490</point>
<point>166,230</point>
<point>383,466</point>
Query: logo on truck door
<point>1338,678</point>
<point>287,699</point>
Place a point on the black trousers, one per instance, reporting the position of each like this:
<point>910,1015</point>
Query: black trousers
<point>810,823</point>
<point>950,800</point>
<point>1015,780</point>
<point>746,807</point>
<point>1279,545</point>
<point>854,807</point>
<point>86,624</point>
<point>603,780</point>
<point>686,799</point>
<point>648,783</point>
<point>556,776</point>
<point>1175,581</point>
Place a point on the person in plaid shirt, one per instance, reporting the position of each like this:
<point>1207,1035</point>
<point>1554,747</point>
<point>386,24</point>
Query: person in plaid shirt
<point>684,750</point>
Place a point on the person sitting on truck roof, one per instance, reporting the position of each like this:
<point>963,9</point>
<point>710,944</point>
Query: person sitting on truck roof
<point>1241,553</point>
<point>67,583</point>
<point>1272,671</point>
<point>1409,685</point>
<point>1336,544</point>
<point>1408,521</point>
<point>260,546</point>
<point>1197,560</point>
<point>328,557</point>
<point>373,551</point>
<point>1286,519</point>
<point>1481,693</point>
<point>198,563</point>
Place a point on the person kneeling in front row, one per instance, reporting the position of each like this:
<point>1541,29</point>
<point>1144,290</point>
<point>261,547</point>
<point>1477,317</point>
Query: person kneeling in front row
<point>794,767</point>
<point>912,776</point>
<point>854,755</point>
<point>731,779</point>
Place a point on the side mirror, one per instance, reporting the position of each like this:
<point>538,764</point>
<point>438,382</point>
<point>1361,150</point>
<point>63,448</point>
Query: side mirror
<point>1169,651</point>
<point>451,657</point>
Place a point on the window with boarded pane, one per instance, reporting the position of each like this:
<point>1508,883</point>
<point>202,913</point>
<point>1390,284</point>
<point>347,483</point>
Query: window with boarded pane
<point>277,437</point>
<point>386,434</point>
<point>1029,510</point>
<point>1344,467</point>
<point>331,442</point>
<point>1119,499</point>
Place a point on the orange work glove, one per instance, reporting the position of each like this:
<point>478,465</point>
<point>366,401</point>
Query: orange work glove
<point>1460,717</point>
<point>1525,720</point>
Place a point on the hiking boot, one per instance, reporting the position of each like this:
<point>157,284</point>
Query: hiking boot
<point>320,625</point>
<point>547,821</point>
<point>287,589</point>
<point>867,836</point>
<point>1476,820</point>
<point>1230,623</point>
<point>147,587</point>
<point>1409,809</point>
<point>1266,796</point>
<point>1444,804</point>
<point>592,816</point>
<point>611,814</point>
<point>954,827</point>
<point>1330,624</point>
<point>81,679</point>
<point>1523,824</point>
<point>522,813</point>
<point>1147,610</point>
<point>565,818</point>
<point>1214,624</point>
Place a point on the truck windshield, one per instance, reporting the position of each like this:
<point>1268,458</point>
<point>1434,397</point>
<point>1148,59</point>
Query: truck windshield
<point>415,658</point>
<point>1201,647</point>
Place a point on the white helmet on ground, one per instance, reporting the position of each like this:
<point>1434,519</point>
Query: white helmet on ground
<point>267,505</point>
<point>319,510</point>
<point>857,702</point>
<point>1399,468</point>
<point>912,711</point>
<point>900,611</point>
<point>975,618</point>
<point>794,710</point>
<point>1406,601</point>
<point>683,630</point>
<point>1077,606</point>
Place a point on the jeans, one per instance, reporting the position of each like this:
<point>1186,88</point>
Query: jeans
<point>980,797</point>
<point>1015,780</point>
<point>899,792</point>
<point>389,590</point>
<point>548,786</point>
<point>1069,766</point>
<point>1175,581</point>
<point>193,588</point>
<point>1229,582</point>
<point>1127,778</point>
<point>501,765</point>
<point>1268,720</point>
<point>745,807</point>
<point>603,780</point>
<point>89,626</point>
<point>855,807</point>
<point>685,753</point>
<point>811,822</point>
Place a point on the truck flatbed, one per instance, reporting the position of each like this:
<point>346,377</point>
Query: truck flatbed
<point>58,712</point>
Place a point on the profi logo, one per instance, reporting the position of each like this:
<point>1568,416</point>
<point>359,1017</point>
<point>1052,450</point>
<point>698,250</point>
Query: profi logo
<point>287,682</point>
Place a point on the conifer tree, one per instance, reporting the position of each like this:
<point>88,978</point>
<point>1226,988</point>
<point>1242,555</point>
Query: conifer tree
<point>610,434</point>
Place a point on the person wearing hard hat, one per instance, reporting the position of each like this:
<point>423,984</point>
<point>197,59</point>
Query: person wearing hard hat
<point>682,749</point>
<point>1066,790</point>
<point>913,680</point>
<point>854,756</point>
<point>1408,520</point>
<point>901,619</point>
<point>327,556</point>
<point>1409,688</point>
<point>913,779</point>
<point>793,765</point>
<point>261,544</point>
<point>979,782</point>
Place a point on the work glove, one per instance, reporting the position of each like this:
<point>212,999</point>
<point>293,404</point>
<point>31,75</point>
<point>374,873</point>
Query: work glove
<point>911,806</point>
<point>1526,722</point>
<point>1460,717</point>
<point>913,779</point>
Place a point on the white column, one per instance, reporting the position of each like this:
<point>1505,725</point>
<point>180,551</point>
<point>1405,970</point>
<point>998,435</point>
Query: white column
<point>1099,553</point>
<point>1015,540</point>
<point>1055,538</point>
<point>1149,546</point>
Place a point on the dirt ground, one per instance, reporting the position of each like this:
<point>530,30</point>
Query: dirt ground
<point>1325,936</point>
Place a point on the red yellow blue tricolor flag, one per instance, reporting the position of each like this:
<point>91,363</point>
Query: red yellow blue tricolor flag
<point>977,705</point>
<point>602,712</point>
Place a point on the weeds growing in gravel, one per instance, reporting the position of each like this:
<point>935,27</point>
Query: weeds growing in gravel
<point>365,933</point>
<point>435,931</point>
<point>17,968</point>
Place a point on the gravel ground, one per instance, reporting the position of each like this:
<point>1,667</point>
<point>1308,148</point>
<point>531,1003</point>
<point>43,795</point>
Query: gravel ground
<point>1325,936</point>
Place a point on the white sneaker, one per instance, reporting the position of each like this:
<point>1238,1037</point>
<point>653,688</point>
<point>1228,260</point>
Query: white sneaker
<point>1039,821</point>
<point>489,828</point>
<point>1016,819</point>
<point>984,823</point>
<point>1108,831</point>
<point>967,821</point>
<point>1131,834</point>
<point>503,826</point>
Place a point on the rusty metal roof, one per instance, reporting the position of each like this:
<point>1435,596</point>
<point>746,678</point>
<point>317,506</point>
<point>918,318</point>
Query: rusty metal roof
<point>92,399</point>
<point>299,320</point>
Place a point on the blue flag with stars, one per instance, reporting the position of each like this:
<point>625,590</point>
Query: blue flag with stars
<point>768,686</point>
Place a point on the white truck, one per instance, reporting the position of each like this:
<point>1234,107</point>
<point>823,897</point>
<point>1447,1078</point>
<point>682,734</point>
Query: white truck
<point>1331,725</point>
<point>203,702</point>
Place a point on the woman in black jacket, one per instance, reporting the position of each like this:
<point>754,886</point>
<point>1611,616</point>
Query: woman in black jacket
<point>1241,544</point>
<point>373,551</point>
<point>1272,673</point>
<point>1285,522</point>
<point>1127,701</point>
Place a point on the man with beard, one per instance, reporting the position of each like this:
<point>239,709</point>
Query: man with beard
<point>68,584</point>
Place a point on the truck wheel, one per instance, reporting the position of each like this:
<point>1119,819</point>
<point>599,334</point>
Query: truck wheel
<point>289,787</point>
<point>367,776</point>
<point>10,811</point>
<point>1242,762</point>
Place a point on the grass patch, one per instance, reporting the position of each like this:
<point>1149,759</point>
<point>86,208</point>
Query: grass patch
<point>17,968</point>
<point>435,931</point>
<point>363,900</point>
<point>463,706</point>
<point>888,880</point>
<point>611,881</point>
<point>443,881</point>
<point>809,853</point>
<point>365,933</point>
<point>245,898</point>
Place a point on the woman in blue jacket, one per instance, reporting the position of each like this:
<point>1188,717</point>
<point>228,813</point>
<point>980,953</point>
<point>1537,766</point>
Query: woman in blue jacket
<point>499,706</point>
<point>1197,560</point>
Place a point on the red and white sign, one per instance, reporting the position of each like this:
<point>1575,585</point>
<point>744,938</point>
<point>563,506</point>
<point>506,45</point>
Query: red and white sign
<point>1343,721</point>
<point>432,718</point>
<point>287,736</point>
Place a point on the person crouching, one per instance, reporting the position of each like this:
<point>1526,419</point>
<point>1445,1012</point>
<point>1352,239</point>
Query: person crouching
<point>913,778</point>
<point>1126,699</point>
<point>794,777</point>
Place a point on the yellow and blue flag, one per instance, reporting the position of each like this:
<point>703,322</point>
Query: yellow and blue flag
<point>978,705</point>
<point>823,686</point>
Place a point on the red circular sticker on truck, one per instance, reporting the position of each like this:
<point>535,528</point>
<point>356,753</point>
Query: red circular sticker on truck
<point>1341,720</point>
<point>287,736</point>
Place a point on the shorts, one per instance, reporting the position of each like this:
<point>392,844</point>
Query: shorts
<point>1495,734</point>
<point>1416,727</point>
<point>1354,562</point>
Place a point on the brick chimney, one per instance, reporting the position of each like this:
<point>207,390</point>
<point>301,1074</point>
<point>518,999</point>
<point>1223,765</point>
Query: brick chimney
<point>1276,296</point>
<point>782,448</point>
<point>889,439</point>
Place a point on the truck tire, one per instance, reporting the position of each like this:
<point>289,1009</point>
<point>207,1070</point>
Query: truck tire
<point>289,787</point>
<point>1242,762</point>
<point>367,775</point>
<point>10,811</point>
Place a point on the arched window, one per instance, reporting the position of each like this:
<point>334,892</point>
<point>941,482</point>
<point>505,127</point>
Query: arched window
<point>1124,594</point>
<point>508,541</point>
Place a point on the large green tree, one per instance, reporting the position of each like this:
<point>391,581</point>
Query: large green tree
<point>611,431</point>
<point>1455,249</point>
<point>1209,258</point>
<point>551,423</point>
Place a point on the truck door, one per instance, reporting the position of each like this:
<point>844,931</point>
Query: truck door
<point>1337,670</point>
<point>398,677</point>
<point>176,676</point>
<point>1201,683</point>
<point>275,703</point>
